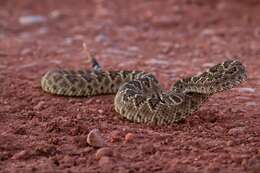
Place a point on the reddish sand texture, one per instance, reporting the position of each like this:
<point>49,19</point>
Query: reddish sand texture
<point>171,38</point>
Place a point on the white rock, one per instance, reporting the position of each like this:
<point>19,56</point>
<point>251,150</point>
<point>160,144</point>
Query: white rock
<point>95,139</point>
<point>246,90</point>
<point>29,20</point>
<point>101,111</point>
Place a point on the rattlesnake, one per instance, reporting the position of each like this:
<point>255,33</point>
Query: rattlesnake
<point>139,96</point>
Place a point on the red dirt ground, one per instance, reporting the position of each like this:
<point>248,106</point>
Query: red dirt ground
<point>172,38</point>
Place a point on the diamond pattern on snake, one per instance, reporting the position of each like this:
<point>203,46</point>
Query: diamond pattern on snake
<point>139,97</point>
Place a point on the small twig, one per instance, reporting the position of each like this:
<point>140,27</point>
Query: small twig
<point>87,51</point>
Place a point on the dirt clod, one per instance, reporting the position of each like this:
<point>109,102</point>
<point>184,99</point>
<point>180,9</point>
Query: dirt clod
<point>129,137</point>
<point>115,136</point>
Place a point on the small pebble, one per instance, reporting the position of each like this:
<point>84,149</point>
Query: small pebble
<point>95,139</point>
<point>129,137</point>
<point>29,20</point>
<point>101,111</point>
<point>246,90</point>
<point>55,14</point>
<point>106,151</point>
<point>115,136</point>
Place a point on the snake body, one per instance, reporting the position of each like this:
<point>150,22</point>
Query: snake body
<point>140,97</point>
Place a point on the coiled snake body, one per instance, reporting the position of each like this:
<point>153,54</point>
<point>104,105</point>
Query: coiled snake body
<point>139,96</point>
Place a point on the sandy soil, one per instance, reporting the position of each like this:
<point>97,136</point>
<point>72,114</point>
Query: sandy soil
<point>45,133</point>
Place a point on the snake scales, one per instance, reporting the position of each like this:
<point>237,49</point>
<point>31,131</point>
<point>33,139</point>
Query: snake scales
<point>139,96</point>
